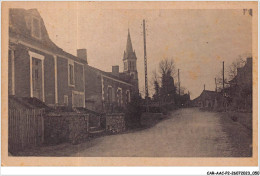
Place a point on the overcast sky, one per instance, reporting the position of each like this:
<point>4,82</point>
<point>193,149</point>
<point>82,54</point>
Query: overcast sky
<point>197,40</point>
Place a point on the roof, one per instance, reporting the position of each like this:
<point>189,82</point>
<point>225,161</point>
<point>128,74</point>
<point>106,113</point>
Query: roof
<point>207,94</point>
<point>28,103</point>
<point>129,47</point>
<point>20,28</point>
<point>109,74</point>
<point>129,52</point>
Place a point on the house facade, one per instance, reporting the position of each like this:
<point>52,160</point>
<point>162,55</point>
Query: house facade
<point>240,90</point>
<point>38,68</point>
<point>106,92</point>
<point>111,91</point>
<point>207,99</point>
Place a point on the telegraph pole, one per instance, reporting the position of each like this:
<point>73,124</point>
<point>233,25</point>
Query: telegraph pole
<point>145,68</point>
<point>223,77</point>
<point>179,81</point>
<point>216,89</point>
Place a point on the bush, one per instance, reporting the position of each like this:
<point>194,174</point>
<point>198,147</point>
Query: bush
<point>133,112</point>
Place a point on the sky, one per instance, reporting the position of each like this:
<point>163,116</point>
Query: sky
<point>197,40</point>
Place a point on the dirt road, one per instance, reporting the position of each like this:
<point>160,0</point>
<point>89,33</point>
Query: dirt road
<point>187,133</point>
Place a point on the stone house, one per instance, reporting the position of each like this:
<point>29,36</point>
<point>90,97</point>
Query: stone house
<point>40,69</point>
<point>207,99</point>
<point>111,91</point>
<point>106,91</point>
<point>71,93</point>
<point>240,90</point>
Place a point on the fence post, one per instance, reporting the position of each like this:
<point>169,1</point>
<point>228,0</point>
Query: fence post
<point>34,127</point>
<point>21,127</point>
<point>42,127</point>
<point>27,127</point>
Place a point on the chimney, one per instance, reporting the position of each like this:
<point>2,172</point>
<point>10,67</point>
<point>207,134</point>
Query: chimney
<point>82,54</point>
<point>115,70</point>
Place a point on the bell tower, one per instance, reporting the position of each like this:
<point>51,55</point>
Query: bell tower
<point>129,60</point>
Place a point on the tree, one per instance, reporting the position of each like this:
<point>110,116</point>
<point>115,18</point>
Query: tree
<point>232,69</point>
<point>155,82</point>
<point>156,91</point>
<point>167,70</point>
<point>133,112</point>
<point>230,73</point>
<point>167,67</point>
<point>182,89</point>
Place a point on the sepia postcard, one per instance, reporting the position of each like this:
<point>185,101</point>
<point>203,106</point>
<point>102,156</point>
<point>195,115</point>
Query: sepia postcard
<point>129,83</point>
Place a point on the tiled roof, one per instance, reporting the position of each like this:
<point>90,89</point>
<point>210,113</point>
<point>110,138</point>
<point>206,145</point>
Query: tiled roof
<point>109,74</point>
<point>20,27</point>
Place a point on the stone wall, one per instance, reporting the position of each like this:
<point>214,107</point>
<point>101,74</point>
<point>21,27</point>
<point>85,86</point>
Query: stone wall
<point>65,127</point>
<point>115,122</point>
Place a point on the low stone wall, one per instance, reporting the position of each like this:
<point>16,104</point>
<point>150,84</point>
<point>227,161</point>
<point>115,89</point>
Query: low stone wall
<point>115,122</point>
<point>94,120</point>
<point>65,127</point>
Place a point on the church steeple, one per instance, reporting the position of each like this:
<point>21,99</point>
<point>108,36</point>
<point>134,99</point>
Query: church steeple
<point>129,60</point>
<point>129,47</point>
<point>129,53</point>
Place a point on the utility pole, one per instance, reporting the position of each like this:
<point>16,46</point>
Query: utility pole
<point>223,77</point>
<point>179,81</point>
<point>216,89</point>
<point>145,68</point>
<point>204,86</point>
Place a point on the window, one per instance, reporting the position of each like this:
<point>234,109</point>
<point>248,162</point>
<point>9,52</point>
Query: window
<point>78,99</point>
<point>125,65</point>
<point>130,65</point>
<point>119,96</point>
<point>66,100</point>
<point>113,95</point>
<point>11,72</point>
<point>109,94</point>
<point>128,96</point>
<point>37,75</point>
<point>36,28</point>
<point>71,74</point>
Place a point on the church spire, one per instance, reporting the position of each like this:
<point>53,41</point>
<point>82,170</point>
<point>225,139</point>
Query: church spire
<point>129,47</point>
<point>129,60</point>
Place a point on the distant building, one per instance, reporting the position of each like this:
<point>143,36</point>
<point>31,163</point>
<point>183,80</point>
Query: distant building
<point>237,96</point>
<point>37,67</point>
<point>207,99</point>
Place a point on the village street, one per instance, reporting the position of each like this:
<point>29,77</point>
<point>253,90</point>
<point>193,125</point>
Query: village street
<point>186,133</point>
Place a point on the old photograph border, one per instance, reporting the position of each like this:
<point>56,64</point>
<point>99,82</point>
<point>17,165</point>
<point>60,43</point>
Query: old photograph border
<point>126,161</point>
